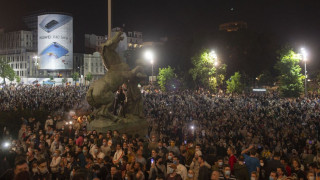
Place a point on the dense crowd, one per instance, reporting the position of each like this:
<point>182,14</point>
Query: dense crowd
<point>192,135</point>
<point>51,98</point>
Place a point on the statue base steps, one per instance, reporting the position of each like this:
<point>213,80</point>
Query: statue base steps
<point>130,125</point>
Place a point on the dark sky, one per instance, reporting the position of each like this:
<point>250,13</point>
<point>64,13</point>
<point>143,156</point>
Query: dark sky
<point>297,21</point>
<point>162,17</point>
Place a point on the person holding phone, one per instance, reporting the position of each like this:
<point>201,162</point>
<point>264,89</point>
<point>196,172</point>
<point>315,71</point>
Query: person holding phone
<point>158,169</point>
<point>154,155</point>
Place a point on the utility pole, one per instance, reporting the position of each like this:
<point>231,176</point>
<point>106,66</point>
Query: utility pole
<point>109,19</point>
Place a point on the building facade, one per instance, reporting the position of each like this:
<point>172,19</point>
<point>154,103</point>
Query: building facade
<point>233,26</point>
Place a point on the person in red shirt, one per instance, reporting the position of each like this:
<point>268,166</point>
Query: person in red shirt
<point>232,157</point>
<point>79,140</point>
<point>284,162</point>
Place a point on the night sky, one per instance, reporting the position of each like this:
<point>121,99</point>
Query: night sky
<point>296,22</point>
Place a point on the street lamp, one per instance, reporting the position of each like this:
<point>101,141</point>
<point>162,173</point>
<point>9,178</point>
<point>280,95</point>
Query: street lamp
<point>150,56</point>
<point>36,65</point>
<point>214,60</point>
<point>304,58</point>
<point>213,57</point>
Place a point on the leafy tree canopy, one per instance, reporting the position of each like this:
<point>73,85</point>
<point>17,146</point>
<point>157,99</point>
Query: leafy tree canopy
<point>165,76</point>
<point>234,84</point>
<point>291,79</point>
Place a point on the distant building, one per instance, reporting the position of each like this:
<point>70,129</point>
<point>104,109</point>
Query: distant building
<point>16,48</point>
<point>131,40</point>
<point>16,42</point>
<point>93,64</point>
<point>92,43</point>
<point>233,26</point>
<point>135,39</point>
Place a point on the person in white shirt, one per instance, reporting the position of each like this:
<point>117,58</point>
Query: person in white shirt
<point>181,169</point>
<point>118,154</point>
<point>96,153</point>
<point>106,147</point>
<point>55,162</point>
<point>49,122</point>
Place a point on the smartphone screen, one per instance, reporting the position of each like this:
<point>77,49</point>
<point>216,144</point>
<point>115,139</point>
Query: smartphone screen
<point>152,161</point>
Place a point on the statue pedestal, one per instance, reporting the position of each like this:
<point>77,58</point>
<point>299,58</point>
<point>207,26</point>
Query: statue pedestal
<point>130,125</point>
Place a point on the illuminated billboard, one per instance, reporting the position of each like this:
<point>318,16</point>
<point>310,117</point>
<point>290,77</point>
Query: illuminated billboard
<point>55,41</point>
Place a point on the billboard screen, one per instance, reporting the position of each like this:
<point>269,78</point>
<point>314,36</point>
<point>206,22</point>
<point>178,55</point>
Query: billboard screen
<point>55,41</point>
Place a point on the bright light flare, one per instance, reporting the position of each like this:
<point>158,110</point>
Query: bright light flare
<point>149,56</point>
<point>304,54</point>
<point>6,144</point>
<point>216,63</point>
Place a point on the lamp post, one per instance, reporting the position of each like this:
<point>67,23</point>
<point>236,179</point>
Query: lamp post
<point>214,60</point>
<point>304,58</point>
<point>36,65</point>
<point>149,56</point>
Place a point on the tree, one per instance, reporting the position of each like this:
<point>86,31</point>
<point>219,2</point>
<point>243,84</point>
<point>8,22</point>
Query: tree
<point>234,84</point>
<point>18,79</point>
<point>89,77</point>
<point>75,76</point>
<point>291,79</point>
<point>64,80</point>
<point>165,76</point>
<point>6,71</point>
<point>204,72</point>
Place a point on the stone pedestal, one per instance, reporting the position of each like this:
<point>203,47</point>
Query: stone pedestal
<point>130,125</point>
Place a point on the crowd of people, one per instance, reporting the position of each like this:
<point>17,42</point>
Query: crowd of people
<point>51,98</point>
<point>192,135</point>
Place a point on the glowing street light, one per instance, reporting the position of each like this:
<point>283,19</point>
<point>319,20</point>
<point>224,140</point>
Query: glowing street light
<point>150,56</point>
<point>304,58</point>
